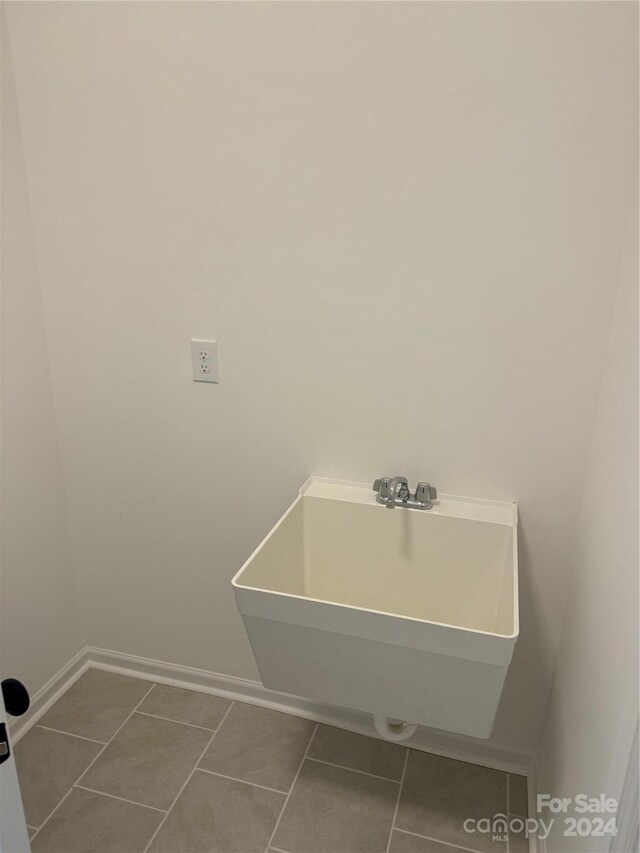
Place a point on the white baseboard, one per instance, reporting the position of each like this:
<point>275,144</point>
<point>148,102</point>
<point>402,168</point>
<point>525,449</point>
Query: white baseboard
<point>487,753</point>
<point>50,693</point>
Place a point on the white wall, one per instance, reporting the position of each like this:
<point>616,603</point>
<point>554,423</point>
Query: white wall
<point>593,711</point>
<point>402,222</point>
<point>39,619</point>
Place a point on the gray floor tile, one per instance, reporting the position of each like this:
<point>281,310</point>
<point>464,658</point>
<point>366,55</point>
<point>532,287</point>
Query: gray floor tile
<point>48,764</point>
<point>518,795</point>
<point>259,745</point>
<point>217,815</point>
<point>439,794</point>
<point>91,823</point>
<point>30,831</point>
<point>331,809</point>
<point>358,752</point>
<point>402,842</point>
<point>186,706</point>
<point>148,761</point>
<point>96,705</point>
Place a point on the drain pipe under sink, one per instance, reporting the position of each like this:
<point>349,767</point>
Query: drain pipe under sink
<point>391,729</point>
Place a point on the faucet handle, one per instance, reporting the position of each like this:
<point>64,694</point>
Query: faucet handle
<point>382,486</point>
<point>426,493</point>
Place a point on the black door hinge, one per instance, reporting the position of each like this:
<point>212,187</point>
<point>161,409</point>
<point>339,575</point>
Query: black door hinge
<point>5,751</point>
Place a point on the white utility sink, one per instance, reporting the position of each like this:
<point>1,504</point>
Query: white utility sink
<point>405,613</point>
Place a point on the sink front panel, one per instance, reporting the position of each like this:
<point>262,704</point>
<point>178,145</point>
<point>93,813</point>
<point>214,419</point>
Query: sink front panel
<point>440,691</point>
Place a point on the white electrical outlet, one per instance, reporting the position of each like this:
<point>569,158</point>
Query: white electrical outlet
<point>204,360</point>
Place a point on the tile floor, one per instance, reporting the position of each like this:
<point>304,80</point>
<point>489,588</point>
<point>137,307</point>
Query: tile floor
<point>121,765</point>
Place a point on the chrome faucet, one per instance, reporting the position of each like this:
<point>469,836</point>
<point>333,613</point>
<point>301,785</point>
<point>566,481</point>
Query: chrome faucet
<point>394,491</point>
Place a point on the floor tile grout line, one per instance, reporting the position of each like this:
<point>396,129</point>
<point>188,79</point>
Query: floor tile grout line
<point>397,805</point>
<point>243,781</point>
<point>86,770</point>
<point>437,840</point>
<point>293,784</point>
<point>69,734</point>
<point>353,769</point>
<point>186,781</point>
<point>114,735</point>
<point>181,722</point>
<point>49,816</point>
<point>115,797</point>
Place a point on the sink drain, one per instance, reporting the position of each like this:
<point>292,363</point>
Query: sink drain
<point>391,729</point>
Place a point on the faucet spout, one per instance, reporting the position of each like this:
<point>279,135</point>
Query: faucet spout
<point>398,491</point>
<point>394,491</point>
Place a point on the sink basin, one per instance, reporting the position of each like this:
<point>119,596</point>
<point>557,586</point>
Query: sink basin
<point>406,613</point>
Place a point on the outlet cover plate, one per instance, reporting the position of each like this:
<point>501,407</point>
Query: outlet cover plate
<point>204,360</point>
